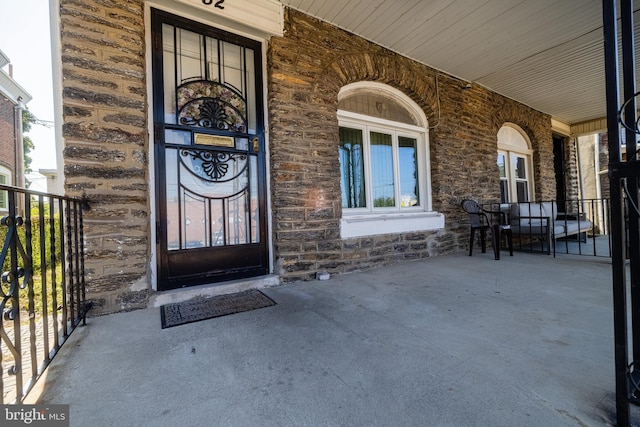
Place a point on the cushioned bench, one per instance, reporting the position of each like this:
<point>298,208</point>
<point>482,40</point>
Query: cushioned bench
<point>542,220</point>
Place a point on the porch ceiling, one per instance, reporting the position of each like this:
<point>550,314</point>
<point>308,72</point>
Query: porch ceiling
<point>547,54</point>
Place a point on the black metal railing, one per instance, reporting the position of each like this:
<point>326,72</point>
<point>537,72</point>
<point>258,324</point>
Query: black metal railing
<point>42,289</point>
<point>584,228</point>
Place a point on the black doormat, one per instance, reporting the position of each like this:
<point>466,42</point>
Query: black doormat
<point>206,308</point>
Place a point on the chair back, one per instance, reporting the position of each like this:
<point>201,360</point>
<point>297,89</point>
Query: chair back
<point>475,212</point>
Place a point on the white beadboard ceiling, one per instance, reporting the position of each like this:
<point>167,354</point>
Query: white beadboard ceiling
<point>547,54</point>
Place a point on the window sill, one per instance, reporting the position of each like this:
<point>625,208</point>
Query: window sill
<point>373,224</point>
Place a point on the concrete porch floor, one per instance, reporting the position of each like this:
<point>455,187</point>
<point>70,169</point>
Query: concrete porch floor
<point>448,341</point>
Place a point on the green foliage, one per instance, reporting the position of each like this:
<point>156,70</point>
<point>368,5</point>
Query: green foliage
<point>384,202</point>
<point>38,238</point>
<point>28,147</point>
<point>28,119</point>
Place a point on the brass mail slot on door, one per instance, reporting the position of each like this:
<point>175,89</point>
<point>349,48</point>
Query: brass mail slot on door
<point>220,141</point>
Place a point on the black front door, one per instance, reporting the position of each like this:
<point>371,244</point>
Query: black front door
<point>209,154</point>
<point>560,167</point>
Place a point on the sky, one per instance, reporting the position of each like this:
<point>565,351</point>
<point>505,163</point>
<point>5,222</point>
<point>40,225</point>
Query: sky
<point>25,39</point>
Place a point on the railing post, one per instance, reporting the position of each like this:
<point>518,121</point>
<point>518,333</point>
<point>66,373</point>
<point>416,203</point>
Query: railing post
<point>70,272</point>
<point>621,336</point>
<point>85,307</point>
<point>63,266</point>
<point>10,303</point>
<point>76,227</point>
<point>631,185</point>
<point>54,262</point>
<point>28,282</point>
<point>43,275</point>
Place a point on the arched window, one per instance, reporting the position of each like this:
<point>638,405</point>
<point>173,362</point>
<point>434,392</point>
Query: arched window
<point>514,164</point>
<point>384,161</point>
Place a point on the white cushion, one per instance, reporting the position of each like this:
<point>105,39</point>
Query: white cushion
<point>550,209</point>
<point>528,210</point>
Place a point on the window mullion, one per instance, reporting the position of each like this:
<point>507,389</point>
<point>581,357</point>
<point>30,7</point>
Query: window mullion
<point>511,178</point>
<point>367,168</point>
<point>396,169</point>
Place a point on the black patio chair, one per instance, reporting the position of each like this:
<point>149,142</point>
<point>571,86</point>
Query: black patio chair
<point>483,220</point>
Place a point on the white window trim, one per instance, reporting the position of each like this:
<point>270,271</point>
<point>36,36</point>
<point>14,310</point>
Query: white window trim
<point>365,222</point>
<point>374,224</point>
<point>6,173</point>
<point>511,173</point>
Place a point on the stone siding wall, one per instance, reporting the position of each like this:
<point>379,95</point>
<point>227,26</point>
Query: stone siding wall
<point>572,182</point>
<point>306,69</point>
<point>106,144</point>
<point>602,141</point>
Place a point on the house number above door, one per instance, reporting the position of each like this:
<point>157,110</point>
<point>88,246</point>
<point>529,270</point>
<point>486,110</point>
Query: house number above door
<point>267,16</point>
<point>218,3</point>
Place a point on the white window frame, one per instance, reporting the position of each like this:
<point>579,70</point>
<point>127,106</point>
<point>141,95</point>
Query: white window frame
<point>357,222</point>
<point>512,149</point>
<point>361,123</point>
<point>4,196</point>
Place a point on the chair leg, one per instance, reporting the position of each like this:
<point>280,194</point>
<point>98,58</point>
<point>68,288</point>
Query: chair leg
<point>510,241</point>
<point>483,240</point>
<point>472,232</point>
<point>495,237</point>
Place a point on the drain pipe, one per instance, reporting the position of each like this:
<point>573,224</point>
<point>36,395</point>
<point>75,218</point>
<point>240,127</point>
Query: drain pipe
<point>19,146</point>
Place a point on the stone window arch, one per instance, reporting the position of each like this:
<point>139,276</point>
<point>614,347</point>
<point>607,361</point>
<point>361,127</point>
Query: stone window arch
<point>384,162</point>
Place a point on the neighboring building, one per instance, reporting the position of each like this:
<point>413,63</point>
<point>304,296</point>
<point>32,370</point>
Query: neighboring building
<point>13,99</point>
<point>212,148</point>
<point>54,184</point>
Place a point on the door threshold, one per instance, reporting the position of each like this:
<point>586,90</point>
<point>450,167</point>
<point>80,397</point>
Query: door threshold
<point>161,298</point>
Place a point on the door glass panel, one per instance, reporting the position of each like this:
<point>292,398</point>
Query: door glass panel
<point>382,170</point>
<point>195,216</point>
<point>189,55</point>
<point>213,55</point>
<point>233,66</point>
<point>217,222</point>
<point>177,137</point>
<point>169,75</point>
<point>254,220</point>
<point>210,105</point>
<point>205,190</point>
<point>242,144</point>
<point>352,182</point>
<point>172,203</point>
<point>238,223</point>
<point>408,164</point>
<point>250,92</point>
